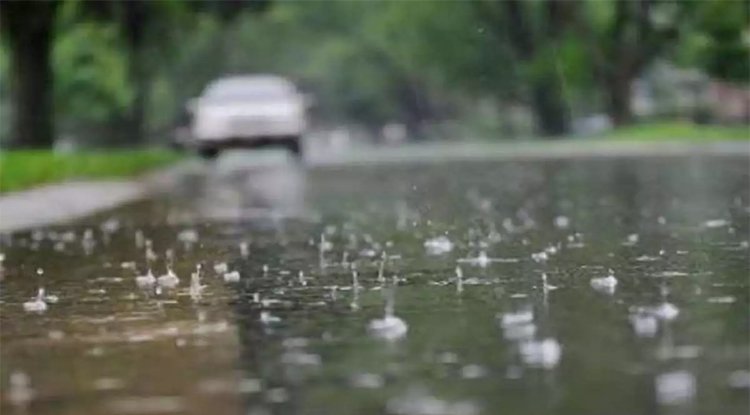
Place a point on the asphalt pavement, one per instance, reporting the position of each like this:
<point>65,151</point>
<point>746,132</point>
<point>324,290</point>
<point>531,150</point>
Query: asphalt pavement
<point>403,281</point>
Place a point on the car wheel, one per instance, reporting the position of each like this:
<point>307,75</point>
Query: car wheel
<point>295,147</point>
<point>208,152</point>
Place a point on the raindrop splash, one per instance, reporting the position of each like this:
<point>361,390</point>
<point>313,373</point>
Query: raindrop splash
<point>38,304</point>
<point>196,288</point>
<point>438,246</point>
<point>459,280</point>
<point>390,327</point>
<point>606,284</point>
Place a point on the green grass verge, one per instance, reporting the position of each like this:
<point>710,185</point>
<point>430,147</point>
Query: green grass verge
<point>679,131</point>
<point>22,169</point>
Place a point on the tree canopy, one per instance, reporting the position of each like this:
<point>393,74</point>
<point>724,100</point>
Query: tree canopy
<point>120,72</point>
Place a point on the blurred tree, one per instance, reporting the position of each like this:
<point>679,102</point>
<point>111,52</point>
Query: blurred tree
<point>127,67</point>
<point>533,31</point>
<point>27,27</point>
<point>434,52</point>
<point>29,30</point>
<point>143,23</point>
<point>145,26</point>
<point>336,51</point>
<point>135,20</point>
<point>624,37</point>
<point>91,81</point>
<point>717,39</point>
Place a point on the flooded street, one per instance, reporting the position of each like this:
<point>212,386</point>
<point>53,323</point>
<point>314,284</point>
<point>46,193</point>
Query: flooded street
<point>566,286</point>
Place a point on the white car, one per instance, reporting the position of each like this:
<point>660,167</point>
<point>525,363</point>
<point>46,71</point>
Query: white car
<point>248,111</point>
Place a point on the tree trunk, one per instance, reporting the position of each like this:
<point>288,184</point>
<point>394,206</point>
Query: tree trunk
<point>134,25</point>
<point>547,100</point>
<point>625,56</point>
<point>415,106</point>
<point>618,97</point>
<point>550,109</point>
<point>136,120</point>
<point>28,30</point>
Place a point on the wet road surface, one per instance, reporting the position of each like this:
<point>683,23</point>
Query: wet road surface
<point>566,286</point>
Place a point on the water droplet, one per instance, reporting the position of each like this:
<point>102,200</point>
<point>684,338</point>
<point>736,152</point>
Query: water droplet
<point>562,222</point>
<point>518,326</point>
<point>739,379</point>
<point>418,401</point>
<point>669,274</point>
<point>168,280</point>
<point>644,325</point>
<point>188,236</point>
<point>728,299</point>
<point>675,387</point>
<point>715,223</point>
<point>459,280</point>
<point>146,405</point>
<point>540,256</point>
<point>473,372</point>
<point>20,392</point>
<point>277,395</point>
<point>221,268</point>
<point>367,380</point>
<point>128,265</point>
<point>196,288</point>
<point>108,384</point>
<point>543,354</point>
<point>145,281</point>
<point>250,385</point>
<point>606,284</point>
<point>631,239</point>
<point>665,311</point>
<point>233,276</point>
<point>56,335</point>
<point>669,352</point>
<point>521,317</point>
<point>38,304</point>
<point>300,358</point>
<point>438,245</point>
<point>389,327</point>
<point>448,358</point>
<point>267,318</point>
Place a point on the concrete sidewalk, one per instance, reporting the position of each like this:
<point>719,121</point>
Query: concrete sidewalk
<point>61,202</point>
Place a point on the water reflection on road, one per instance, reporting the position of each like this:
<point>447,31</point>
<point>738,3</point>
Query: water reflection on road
<point>578,286</point>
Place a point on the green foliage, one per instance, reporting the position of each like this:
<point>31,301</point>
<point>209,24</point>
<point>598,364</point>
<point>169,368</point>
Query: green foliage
<point>719,39</point>
<point>4,95</point>
<point>90,73</point>
<point>678,131</point>
<point>23,169</point>
<point>366,62</point>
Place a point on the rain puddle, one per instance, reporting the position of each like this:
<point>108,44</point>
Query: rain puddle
<point>571,287</point>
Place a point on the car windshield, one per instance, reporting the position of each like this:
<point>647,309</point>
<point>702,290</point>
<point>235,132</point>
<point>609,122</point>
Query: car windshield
<point>248,89</point>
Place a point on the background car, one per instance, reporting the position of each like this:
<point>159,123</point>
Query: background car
<point>247,111</point>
